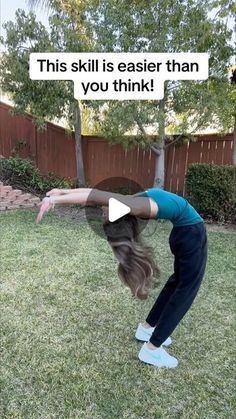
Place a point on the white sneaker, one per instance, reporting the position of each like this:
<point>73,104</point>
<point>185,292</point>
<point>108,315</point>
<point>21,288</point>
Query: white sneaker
<point>158,357</point>
<point>144,334</point>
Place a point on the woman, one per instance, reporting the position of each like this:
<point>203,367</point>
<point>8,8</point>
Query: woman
<point>188,243</point>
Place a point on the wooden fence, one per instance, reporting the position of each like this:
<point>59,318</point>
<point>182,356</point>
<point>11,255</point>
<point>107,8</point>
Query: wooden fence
<point>54,151</point>
<point>207,149</point>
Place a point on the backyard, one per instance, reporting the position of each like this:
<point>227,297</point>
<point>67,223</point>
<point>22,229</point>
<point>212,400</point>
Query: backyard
<point>67,329</point>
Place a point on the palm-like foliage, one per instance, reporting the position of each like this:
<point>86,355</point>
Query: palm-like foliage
<point>47,4</point>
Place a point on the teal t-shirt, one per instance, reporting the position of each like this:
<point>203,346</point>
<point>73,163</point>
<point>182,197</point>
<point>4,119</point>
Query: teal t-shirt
<point>173,207</point>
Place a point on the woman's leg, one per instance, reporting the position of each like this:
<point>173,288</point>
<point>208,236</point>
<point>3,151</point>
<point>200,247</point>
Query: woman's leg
<point>191,266</point>
<point>163,297</point>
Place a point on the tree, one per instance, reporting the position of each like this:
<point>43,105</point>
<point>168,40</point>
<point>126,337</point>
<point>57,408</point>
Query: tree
<point>233,96</point>
<point>136,26</point>
<point>45,100</point>
<point>228,8</point>
<point>225,9</point>
<point>158,26</point>
<point>47,4</point>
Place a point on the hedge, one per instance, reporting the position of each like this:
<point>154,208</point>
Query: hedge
<point>211,189</point>
<point>22,174</point>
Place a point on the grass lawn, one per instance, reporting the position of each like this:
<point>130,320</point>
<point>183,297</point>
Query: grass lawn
<point>67,329</point>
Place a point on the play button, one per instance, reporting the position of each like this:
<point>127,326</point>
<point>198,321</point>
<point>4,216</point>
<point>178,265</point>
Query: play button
<point>116,210</point>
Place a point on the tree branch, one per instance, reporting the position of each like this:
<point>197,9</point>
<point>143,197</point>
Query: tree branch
<point>181,135</point>
<point>155,150</point>
<point>140,125</point>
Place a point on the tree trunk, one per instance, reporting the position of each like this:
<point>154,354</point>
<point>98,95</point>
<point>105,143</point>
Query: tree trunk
<point>234,143</point>
<point>78,145</point>
<point>159,179</point>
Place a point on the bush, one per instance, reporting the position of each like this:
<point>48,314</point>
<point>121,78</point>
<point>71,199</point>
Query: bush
<point>22,174</point>
<point>211,189</point>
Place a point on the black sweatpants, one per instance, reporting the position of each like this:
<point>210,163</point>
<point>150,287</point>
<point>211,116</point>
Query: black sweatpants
<point>189,246</point>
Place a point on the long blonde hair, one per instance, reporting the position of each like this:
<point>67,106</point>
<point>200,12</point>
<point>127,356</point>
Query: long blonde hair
<point>137,268</point>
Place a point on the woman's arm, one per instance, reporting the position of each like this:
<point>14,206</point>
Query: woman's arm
<point>56,196</point>
<point>143,207</point>
<point>66,191</point>
<point>75,196</point>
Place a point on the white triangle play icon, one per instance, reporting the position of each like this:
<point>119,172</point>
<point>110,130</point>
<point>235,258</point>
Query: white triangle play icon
<point>116,209</point>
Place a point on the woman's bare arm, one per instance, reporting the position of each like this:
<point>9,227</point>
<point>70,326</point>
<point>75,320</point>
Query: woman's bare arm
<point>57,192</point>
<point>140,206</point>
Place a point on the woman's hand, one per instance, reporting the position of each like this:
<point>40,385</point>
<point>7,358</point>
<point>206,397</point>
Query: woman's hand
<point>55,192</point>
<point>45,206</point>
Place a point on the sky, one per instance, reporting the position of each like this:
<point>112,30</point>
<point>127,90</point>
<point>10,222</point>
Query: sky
<point>8,9</point>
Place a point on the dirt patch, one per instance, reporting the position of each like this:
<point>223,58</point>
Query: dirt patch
<point>78,215</point>
<point>225,228</point>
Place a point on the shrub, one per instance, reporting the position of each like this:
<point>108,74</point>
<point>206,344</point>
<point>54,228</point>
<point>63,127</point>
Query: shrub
<point>211,189</point>
<point>21,173</point>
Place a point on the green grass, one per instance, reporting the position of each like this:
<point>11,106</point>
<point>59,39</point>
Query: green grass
<point>67,329</point>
